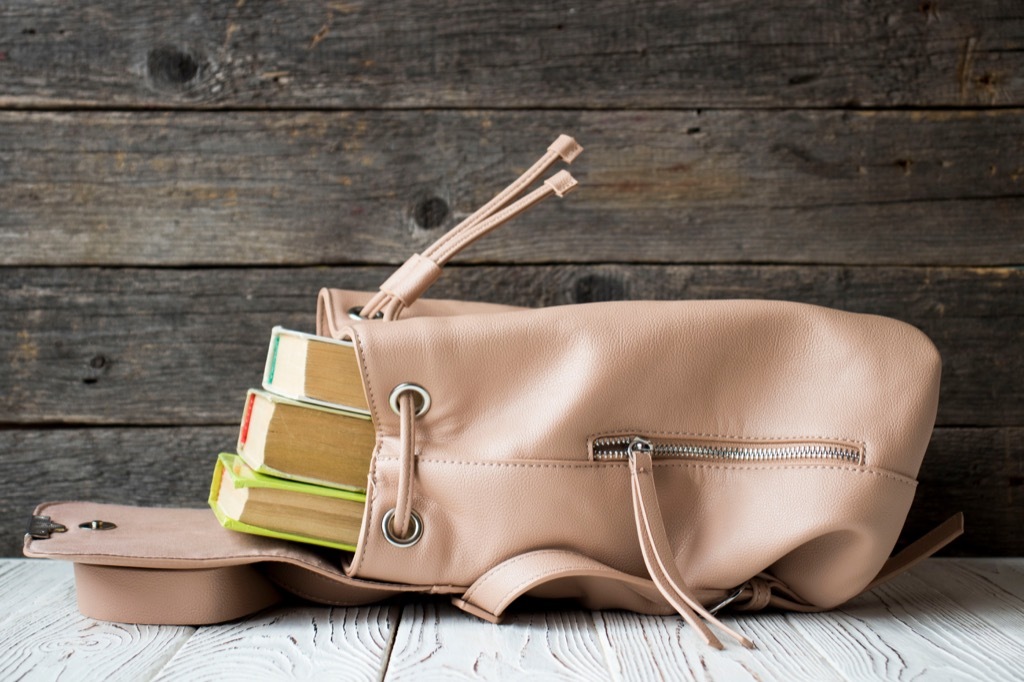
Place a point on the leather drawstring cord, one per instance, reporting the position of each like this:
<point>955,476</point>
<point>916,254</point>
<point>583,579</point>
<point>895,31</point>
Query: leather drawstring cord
<point>416,275</point>
<point>406,471</point>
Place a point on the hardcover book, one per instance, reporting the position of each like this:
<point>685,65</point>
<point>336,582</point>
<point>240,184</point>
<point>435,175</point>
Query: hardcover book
<point>314,369</point>
<point>247,501</point>
<point>306,442</point>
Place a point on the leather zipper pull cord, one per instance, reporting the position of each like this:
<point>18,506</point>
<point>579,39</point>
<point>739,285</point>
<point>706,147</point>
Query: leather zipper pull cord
<point>657,553</point>
<point>416,275</point>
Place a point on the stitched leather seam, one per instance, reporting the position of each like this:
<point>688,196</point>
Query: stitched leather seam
<point>305,595</point>
<point>258,557</point>
<point>358,343</point>
<point>343,580</point>
<point>290,586</point>
<point>357,557</point>
<point>262,558</point>
<point>693,465</point>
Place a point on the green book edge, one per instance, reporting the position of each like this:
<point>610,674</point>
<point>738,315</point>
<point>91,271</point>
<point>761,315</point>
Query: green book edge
<point>256,480</point>
<point>271,472</point>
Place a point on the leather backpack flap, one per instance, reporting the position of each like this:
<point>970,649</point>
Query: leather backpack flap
<point>179,566</point>
<point>505,461</point>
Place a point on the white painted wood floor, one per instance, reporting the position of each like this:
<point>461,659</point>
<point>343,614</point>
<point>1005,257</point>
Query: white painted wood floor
<point>948,619</point>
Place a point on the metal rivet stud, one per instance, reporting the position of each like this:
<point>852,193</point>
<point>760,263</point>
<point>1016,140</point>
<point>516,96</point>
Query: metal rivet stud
<point>97,525</point>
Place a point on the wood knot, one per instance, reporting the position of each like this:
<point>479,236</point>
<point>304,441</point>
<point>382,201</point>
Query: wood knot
<point>172,68</point>
<point>594,288</point>
<point>98,364</point>
<point>803,78</point>
<point>430,213</point>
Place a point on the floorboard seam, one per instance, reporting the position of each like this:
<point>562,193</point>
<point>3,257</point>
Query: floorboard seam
<point>392,635</point>
<point>174,654</point>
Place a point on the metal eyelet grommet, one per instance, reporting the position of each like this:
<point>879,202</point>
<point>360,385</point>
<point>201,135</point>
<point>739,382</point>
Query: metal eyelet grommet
<point>414,535</point>
<point>356,313</point>
<point>418,390</point>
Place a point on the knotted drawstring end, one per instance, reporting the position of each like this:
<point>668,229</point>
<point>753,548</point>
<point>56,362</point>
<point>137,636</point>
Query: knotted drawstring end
<point>561,183</point>
<point>566,147</point>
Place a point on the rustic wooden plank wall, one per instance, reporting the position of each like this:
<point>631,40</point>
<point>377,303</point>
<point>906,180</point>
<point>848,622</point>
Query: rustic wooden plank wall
<point>176,178</point>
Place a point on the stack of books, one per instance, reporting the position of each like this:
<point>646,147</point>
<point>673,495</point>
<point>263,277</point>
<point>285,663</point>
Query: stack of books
<point>304,447</point>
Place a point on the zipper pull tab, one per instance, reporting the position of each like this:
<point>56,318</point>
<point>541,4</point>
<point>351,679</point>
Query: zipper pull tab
<point>639,453</point>
<point>640,445</point>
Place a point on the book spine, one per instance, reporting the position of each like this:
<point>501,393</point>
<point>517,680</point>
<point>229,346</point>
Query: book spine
<point>272,364</point>
<point>246,416</point>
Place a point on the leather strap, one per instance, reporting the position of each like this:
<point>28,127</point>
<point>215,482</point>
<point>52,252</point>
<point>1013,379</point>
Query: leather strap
<point>333,306</point>
<point>493,592</point>
<point>919,550</point>
<point>499,587</point>
<point>475,226</point>
<point>540,572</point>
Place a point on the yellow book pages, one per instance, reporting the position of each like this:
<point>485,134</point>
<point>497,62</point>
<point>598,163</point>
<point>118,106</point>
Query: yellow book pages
<point>315,369</point>
<point>249,502</point>
<point>306,442</point>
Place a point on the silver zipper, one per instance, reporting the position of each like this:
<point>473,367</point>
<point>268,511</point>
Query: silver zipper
<point>608,448</point>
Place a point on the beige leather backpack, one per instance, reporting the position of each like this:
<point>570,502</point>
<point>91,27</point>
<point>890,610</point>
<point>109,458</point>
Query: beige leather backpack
<point>658,456</point>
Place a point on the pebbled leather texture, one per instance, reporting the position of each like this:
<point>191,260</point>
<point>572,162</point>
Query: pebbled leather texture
<point>155,596</point>
<point>517,397</point>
